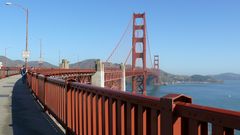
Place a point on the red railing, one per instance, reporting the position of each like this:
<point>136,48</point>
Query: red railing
<point>9,71</point>
<point>86,109</point>
<point>223,121</point>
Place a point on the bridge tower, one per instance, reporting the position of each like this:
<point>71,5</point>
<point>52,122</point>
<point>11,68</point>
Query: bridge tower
<point>139,82</point>
<point>156,68</point>
<point>156,61</point>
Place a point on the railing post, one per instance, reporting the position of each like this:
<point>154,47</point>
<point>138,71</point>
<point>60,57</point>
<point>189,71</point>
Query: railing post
<point>7,72</point>
<point>4,72</point>
<point>29,79</point>
<point>170,123</point>
<point>98,77</point>
<point>37,86</point>
<point>28,84</point>
<point>66,108</point>
<point>44,94</point>
<point>67,105</point>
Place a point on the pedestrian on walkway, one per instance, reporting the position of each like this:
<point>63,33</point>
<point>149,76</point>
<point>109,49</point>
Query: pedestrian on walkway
<point>24,74</point>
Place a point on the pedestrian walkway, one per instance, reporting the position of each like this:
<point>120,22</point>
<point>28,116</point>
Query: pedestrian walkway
<point>19,112</point>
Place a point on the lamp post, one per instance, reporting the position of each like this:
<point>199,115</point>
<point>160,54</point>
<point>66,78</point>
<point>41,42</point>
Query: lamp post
<point>26,52</point>
<point>40,62</point>
<point>6,56</point>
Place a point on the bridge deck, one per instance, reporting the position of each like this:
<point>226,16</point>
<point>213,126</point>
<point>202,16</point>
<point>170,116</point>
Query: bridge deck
<point>19,113</point>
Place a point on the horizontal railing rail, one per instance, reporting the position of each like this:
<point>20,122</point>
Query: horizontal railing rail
<point>86,109</point>
<point>223,122</point>
<point>9,71</point>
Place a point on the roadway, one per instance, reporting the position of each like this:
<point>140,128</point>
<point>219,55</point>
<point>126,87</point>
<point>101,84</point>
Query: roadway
<point>19,112</point>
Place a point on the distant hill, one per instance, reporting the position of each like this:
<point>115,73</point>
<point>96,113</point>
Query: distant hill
<point>86,64</point>
<point>45,64</point>
<point>11,63</point>
<point>19,63</point>
<point>202,78</point>
<point>165,77</point>
<point>90,64</point>
<point>227,76</point>
<point>168,78</point>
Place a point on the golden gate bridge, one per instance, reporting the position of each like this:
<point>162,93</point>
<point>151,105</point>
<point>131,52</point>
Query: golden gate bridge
<point>94,101</point>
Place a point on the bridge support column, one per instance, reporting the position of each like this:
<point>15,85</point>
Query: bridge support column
<point>98,77</point>
<point>156,68</point>
<point>139,84</point>
<point>123,80</point>
<point>173,125</point>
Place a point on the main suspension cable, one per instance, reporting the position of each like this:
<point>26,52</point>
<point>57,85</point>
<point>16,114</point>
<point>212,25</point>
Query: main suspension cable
<point>128,57</point>
<point>149,48</point>
<point>118,44</point>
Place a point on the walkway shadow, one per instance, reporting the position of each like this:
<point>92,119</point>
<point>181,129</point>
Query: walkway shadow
<point>27,116</point>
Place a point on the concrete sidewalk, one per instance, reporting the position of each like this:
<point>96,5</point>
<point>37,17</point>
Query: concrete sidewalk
<point>19,112</point>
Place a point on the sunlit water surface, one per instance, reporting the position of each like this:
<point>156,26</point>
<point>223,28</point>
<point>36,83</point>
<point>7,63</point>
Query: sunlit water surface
<point>225,95</point>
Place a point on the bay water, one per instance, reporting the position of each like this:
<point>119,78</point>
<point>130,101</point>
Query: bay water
<point>225,95</point>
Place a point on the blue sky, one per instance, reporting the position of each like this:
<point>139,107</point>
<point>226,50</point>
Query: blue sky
<point>191,37</point>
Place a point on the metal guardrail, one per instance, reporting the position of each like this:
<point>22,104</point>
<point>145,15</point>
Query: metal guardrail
<point>9,71</point>
<point>223,122</point>
<point>86,109</point>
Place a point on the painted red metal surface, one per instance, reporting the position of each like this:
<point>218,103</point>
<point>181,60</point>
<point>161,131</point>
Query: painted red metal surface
<point>112,78</point>
<point>86,109</point>
<point>59,72</point>
<point>9,71</point>
<point>156,62</point>
<point>139,82</point>
<point>78,75</point>
<point>138,74</point>
<point>156,70</point>
<point>223,121</point>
